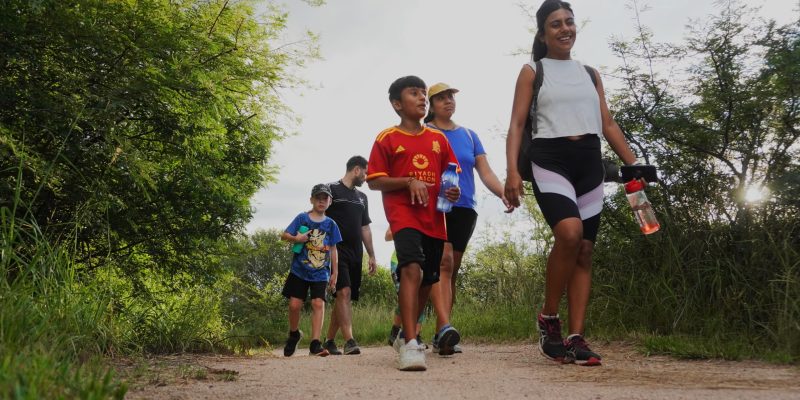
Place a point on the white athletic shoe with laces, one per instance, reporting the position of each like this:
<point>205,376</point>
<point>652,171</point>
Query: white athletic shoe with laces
<point>411,357</point>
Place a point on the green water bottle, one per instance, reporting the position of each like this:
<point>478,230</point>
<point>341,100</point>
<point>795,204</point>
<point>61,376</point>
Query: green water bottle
<point>298,247</point>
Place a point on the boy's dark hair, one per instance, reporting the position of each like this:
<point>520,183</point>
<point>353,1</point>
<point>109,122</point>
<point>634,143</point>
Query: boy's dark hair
<point>539,48</point>
<point>405,82</point>
<point>356,161</point>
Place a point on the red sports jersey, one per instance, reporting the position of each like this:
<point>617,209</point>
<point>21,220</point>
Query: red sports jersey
<point>424,156</point>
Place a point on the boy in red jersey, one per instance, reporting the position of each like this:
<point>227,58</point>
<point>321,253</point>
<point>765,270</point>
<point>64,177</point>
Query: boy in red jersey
<point>406,165</point>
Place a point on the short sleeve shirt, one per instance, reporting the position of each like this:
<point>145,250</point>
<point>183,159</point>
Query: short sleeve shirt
<point>350,210</point>
<point>314,260</point>
<point>467,146</point>
<point>423,156</point>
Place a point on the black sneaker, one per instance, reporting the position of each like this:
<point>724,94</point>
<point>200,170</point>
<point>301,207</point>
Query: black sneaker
<point>421,343</point>
<point>291,342</point>
<point>351,347</point>
<point>448,339</point>
<point>316,349</point>
<point>578,352</point>
<point>393,334</point>
<point>550,342</point>
<point>330,345</point>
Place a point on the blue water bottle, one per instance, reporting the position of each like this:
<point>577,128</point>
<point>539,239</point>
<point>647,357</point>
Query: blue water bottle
<point>449,179</point>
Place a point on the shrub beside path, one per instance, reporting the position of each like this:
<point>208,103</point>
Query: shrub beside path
<point>483,371</point>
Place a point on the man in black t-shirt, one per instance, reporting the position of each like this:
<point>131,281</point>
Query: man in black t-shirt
<point>350,210</point>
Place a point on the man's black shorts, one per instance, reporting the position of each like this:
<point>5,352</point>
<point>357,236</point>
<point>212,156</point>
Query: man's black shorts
<point>460,226</point>
<point>413,246</point>
<point>298,288</point>
<point>349,273</point>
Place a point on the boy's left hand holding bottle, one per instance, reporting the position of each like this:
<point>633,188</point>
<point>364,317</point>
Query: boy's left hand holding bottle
<point>453,193</point>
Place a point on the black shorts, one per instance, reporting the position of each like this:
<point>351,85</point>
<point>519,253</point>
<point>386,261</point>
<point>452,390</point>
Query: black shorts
<point>413,246</point>
<point>568,180</point>
<point>349,274</point>
<point>298,288</point>
<point>460,226</point>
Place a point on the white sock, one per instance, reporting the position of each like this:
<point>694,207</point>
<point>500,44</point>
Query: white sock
<point>573,335</point>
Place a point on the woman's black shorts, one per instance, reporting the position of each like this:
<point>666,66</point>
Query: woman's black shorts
<point>460,226</point>
<point>568,180</point>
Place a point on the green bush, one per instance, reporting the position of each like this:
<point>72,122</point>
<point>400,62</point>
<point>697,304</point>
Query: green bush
<point>54,323</point>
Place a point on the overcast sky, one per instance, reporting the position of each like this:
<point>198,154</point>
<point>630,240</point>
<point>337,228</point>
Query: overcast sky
<point>366,44</point>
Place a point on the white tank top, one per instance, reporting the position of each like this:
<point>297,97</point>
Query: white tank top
<point>568,101</point>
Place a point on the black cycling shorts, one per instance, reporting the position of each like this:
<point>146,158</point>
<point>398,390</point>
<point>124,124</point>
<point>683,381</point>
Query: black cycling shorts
<point>460,226</point>
<point>568,180</point>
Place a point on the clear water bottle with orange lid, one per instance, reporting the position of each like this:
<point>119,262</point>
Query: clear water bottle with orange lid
<point>642,209</point>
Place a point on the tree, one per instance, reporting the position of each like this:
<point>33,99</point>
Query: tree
<point>727,123</point>
<point>140,129</point>
<point>717,115</point>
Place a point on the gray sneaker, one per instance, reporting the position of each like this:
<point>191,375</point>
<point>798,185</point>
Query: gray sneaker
<point>457,349</point>
<point>351,347</point>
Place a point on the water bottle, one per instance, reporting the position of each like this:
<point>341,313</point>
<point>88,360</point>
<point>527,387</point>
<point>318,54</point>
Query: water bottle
<point>642,209</point>
<point>449,179</point>
<point>298,247</point>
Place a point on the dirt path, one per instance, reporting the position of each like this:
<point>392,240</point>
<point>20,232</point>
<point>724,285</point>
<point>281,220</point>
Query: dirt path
<point>512,371</point>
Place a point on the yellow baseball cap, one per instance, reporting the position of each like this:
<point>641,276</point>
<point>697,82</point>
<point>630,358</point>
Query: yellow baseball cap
<point>439,88</point>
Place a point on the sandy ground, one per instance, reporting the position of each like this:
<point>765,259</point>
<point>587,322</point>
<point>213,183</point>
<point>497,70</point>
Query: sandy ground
<point>512,371</point>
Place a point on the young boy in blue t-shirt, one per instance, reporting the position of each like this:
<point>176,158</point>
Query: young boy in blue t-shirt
<point>314,267</point>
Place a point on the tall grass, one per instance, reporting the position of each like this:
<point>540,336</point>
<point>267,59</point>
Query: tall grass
<point>703,292</point>
<point>53,327</point>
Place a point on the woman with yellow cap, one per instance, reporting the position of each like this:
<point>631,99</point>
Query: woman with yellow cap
<point>462,218</point>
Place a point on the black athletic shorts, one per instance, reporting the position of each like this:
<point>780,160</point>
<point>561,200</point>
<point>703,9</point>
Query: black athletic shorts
<point>298,288</point>
<point>460,226</point>
<point>349,274</point>
<point>413,246</point>
<point>568,180</point>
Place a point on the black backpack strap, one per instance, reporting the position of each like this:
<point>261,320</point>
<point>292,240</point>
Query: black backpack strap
<point>590,71</point>
<point>537,84</point>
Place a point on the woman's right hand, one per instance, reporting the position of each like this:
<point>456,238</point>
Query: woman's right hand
<point>513,189</point>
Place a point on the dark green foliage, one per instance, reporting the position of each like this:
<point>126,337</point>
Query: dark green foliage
<point>253,304</point>
<point>722,267</point>
<point>378,288</point>
<point>142,128</point>
<point>53,326</point>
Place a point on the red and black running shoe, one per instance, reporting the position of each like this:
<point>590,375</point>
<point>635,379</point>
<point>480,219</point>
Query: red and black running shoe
<point>578,352</point>
<point>551,343</point>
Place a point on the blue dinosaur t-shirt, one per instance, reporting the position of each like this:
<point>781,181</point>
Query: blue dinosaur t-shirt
<point>314,260</point>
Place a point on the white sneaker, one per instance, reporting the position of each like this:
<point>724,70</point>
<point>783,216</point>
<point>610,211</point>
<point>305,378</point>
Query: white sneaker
<point>411,357</point>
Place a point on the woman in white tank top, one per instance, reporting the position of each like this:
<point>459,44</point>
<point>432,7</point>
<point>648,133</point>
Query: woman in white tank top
<point>567,171</point>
